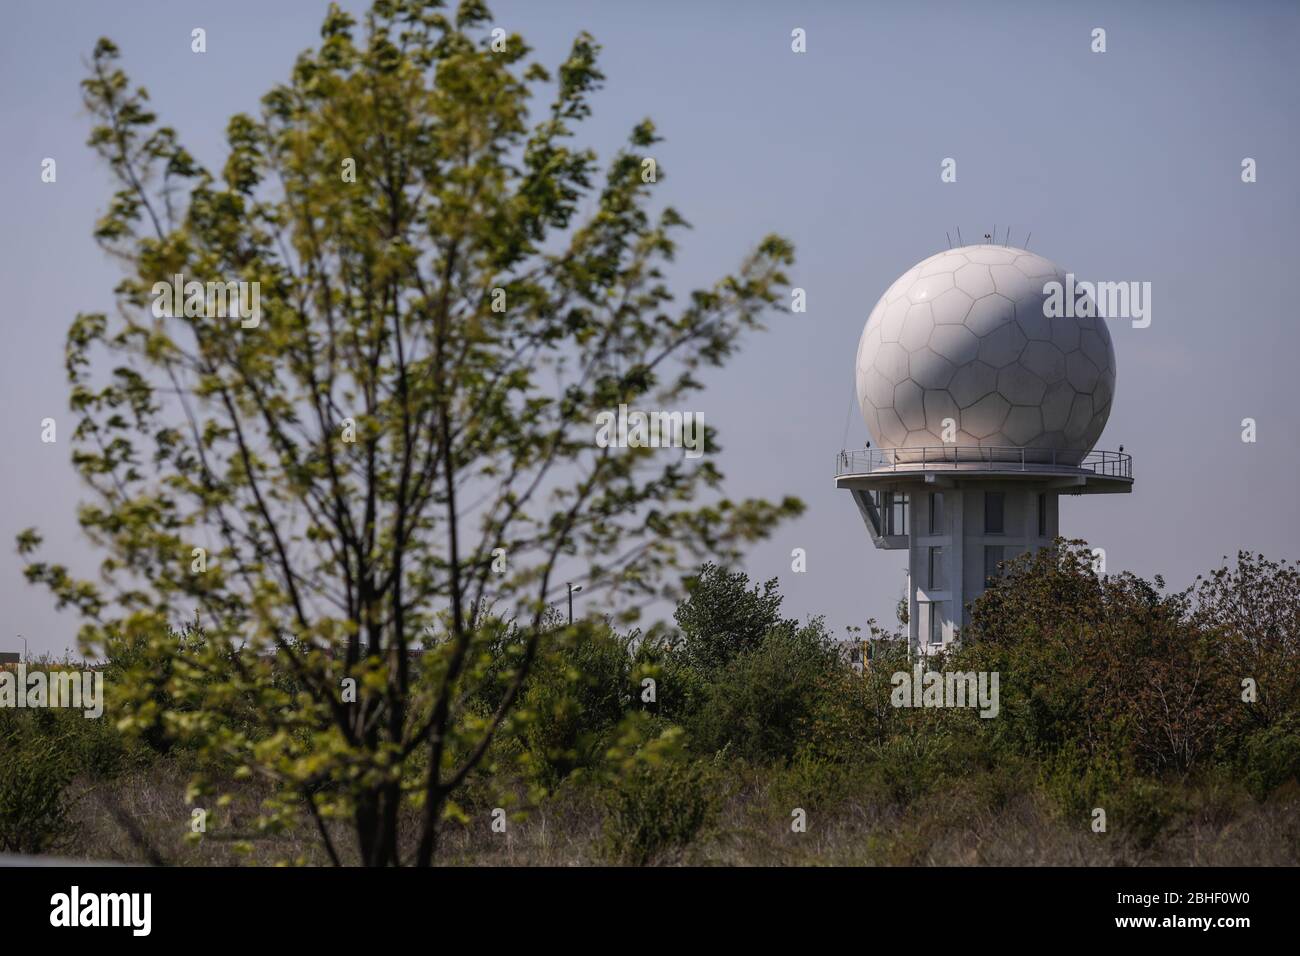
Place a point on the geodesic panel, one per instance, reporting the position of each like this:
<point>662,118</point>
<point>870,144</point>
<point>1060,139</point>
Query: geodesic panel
<point>939,405</point>
<point>972,382</point>
<point>1080,416</point>
<point>985,417</point>
<point>1003,345</point>
<point>951,307</point>
<point>1020,386</point>
<point>1056,406</point>
<point>957,344</point>
<point>1045,360</point>
<point>1024,423</point>
<point>909,402</point>
<point>929,369</point>
<point>964,335</point>
<point>975,280</point>
<point>919,324</point>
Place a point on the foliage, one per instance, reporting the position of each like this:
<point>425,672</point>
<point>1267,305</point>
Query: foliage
<point>1254,606</point>
<point>1113,694</point>
<point>761,703</point>
<point>33,789</point>
<point>576,696</point>
<point>1110,664</point>
<point>413,404</point>
<point>722,618</point>
<point>657,799</point>
<point>1271,756</point>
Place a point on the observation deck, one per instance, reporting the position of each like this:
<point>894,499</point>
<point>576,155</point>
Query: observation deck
<point>1072,472</point>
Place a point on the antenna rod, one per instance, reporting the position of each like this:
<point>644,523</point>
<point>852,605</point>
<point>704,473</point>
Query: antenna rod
<point>949,238</point>
<point>1027,238</point>
<point>959,242</point>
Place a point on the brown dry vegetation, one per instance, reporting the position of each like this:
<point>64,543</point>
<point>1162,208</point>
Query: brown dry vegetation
<point>1216,826</point>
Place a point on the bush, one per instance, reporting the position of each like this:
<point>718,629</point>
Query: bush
<point>575,697</point>
<point>854,712</point>
<point>680,687</point>
<point>1111,664</point>
<point>722,618</point>
<point>1272,757</point>
<point>1076,784</point>
<point>907,766</point>
<point>33,787</point>
<point>1143,809</point>
<point>658,801</point>
<point>762,703</point>
<point>814,783</point>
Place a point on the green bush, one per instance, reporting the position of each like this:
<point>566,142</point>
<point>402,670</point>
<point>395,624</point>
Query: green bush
<point>762,704</point>
<point>815,783</point>
<point>575,697</point>
<point>33,790</point>
<point>658,800</point>
<point>908,765</point>
<point>722,617</point>
<point>1272,757</point>
<point>1076,784</point>
<point>680,687</point>
<point>1143,809</point>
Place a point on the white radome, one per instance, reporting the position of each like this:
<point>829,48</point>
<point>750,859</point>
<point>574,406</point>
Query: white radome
<point>964,335</point>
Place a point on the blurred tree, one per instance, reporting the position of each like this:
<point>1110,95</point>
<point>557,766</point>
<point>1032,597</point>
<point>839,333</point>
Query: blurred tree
<point>401,450</point>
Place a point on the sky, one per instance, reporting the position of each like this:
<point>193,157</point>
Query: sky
<point>1124,165</point>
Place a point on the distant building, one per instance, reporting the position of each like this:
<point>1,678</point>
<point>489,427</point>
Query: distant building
<point>10,657</point>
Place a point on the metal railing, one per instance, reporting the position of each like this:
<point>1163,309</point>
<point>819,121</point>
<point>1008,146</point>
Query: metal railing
<point>999,458</point>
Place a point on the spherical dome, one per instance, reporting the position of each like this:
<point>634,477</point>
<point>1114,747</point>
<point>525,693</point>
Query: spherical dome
<point>964,335</point>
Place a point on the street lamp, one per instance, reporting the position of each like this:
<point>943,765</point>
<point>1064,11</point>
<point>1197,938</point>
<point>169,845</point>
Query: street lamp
<point>573,589</point>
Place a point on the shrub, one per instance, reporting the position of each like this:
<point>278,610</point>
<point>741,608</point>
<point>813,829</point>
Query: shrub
<point>1272,757</point>
<point>1111,664</point>
<point>722,618</point>
<point>762,703</point>
<point>1143,809</point>
<point>814,783</point>
<point>33,788</point>
<point>680,687</point>
<point>1254,607</point>
<point>576,696</point>
<point>908,766</point>
<point>854,711</point>
<point>1076,784</point>
<point>658,800</point>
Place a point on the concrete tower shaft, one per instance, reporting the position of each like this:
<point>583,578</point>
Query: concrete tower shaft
<point>962,511</point>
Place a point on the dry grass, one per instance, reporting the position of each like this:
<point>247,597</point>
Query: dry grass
<point>955,827</point>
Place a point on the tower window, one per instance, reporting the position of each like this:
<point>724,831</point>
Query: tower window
<point>938,581</point>
<point>994,502</point>
<point>936,622</point>
<point>894,512</point>
<point>936,512</point>
<point>1042,516</point>
<point>993,556</point>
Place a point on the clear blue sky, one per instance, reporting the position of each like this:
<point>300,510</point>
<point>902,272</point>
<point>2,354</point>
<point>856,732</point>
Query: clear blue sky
<point>1123,165</point>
